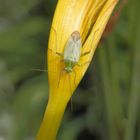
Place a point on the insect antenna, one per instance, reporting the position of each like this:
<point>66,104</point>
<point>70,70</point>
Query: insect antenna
<point>39,70</point>
<point>42,70</point>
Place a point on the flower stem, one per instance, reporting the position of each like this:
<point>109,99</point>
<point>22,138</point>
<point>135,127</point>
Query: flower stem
<point>52,119</point>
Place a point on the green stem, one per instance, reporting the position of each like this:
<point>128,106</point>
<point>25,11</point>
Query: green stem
<point>114,77</point>
<point>135,89</point>
<point>138,134</point>
<point>113,135</point>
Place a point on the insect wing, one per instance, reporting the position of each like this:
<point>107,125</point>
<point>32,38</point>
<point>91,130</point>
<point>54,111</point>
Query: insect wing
<point>72,50</point>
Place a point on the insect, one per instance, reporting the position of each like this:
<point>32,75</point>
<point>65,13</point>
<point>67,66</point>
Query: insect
<point>72,53</point>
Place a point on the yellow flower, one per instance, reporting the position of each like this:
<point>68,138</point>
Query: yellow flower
<point>89,17</point>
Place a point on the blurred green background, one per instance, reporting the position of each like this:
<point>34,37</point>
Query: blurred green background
<point>106,103</point>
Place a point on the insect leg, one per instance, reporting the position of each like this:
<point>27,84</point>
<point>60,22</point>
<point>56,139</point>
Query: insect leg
<point>60,76</point>
<point>69,82</point>
<point>70,92</point>
<point>74,77</point>
<point>57,53</point>
<point>60,54</point>
<point>87,52</point>
<point>56,41</point>
<point>83,63</point>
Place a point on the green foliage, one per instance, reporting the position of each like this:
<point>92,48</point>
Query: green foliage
<point>106,103</point>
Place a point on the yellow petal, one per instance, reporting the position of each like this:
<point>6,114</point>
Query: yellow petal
<point>89,17</point>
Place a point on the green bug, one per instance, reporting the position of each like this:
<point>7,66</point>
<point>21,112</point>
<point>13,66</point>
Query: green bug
<point>72,53</point>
